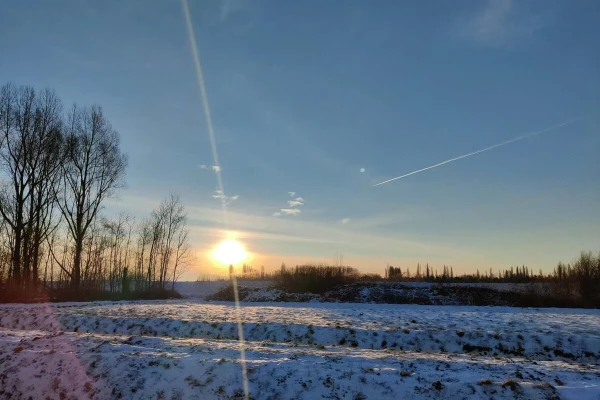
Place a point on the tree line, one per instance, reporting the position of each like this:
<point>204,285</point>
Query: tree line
<point>519,274</point>
<point>585,269</point>
<point>575,284</point>
<point>57,169</point>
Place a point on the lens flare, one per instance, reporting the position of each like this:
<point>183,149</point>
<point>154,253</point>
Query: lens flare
<point>226,253</point>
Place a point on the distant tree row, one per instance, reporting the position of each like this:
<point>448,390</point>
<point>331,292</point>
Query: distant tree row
<point>579,280</point>
<point>575,285</point>
<point>520,274</point>
<point>429,274</point>
<point>586,269</point>
<point>57,168</point>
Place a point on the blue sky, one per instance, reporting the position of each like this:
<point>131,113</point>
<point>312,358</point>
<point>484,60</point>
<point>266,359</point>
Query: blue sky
<point>305,94</point>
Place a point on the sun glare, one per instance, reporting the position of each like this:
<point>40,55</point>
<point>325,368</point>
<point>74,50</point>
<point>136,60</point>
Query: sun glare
<point>229,252</point>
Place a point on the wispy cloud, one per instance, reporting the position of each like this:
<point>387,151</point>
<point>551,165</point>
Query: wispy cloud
<point>258,235</point>
<point>214,168</point>
<point>368,241</point>
<point>225,200</point>
<point>218,194</point>
<point>293,204</point>
<point>499,23</point>
<point>264,233</point>
<point>291,211</point>
<point>345,220</point>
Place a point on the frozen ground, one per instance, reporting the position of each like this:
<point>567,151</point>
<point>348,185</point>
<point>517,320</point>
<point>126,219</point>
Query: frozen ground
<point>189,349</point>
<point>200,290</point>
<point>446,294</point>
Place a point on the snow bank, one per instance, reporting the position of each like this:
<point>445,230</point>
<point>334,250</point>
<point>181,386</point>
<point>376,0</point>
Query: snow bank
<point>554,335</point>
<point>74,366</point>
<point>188,349</point>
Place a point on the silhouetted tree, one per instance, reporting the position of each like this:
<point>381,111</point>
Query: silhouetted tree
<point>93,169</point>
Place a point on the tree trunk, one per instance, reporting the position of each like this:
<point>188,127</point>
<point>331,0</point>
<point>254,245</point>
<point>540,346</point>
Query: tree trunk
<point>16,258</point>
<point>35,261</point>
<point>76,282</point>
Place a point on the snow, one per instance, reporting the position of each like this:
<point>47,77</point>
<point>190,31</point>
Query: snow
<point>424,293</point>
<point>499,286</point>
<point>263,290</point>
<point>189,349</point>
<point>202,289</point>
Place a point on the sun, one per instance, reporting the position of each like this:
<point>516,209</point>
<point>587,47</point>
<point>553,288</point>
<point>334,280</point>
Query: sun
<point>229,252</point>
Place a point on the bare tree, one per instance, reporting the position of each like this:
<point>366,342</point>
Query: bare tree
<point>156,233</point>
<point>30,153</point>
<point>56,171</point>
<point>174,220</point>
<point>165,231</point>
<point>44,168</point>
<point>93,169</point>
<point>144,239</point>
<point>183,256</point>
<point>16,110</point>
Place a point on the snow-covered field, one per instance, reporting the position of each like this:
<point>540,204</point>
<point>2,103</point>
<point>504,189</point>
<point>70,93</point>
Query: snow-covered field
<point>202,289</point>
<point>190,349</point>
<point>199,290</point>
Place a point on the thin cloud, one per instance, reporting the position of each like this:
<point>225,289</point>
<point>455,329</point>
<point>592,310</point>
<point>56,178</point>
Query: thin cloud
<point>290,211</point>
<point>298,229</point>
<point>225,200</point>
<point>218,194</point>
<point>207,220</point>
<point>345,220</point>
<point>293,205</point>
<point>499,23</point>
<point>214,168</point>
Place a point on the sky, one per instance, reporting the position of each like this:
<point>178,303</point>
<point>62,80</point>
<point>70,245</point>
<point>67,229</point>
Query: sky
<point>314,102</point>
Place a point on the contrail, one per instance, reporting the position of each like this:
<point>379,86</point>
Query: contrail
<point>486,149</point>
